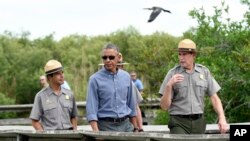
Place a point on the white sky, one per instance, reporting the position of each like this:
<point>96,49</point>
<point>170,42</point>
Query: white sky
<point>99,17</point>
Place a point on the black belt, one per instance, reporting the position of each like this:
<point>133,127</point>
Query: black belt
<point>193,116</point>
<point>115,120</point>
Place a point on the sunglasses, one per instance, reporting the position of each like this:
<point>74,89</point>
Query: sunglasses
<point>110,57</point>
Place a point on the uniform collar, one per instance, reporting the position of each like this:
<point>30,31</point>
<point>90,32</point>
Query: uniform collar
<point>196,68</point>
<point>50,91</point>
<point>63,90</point>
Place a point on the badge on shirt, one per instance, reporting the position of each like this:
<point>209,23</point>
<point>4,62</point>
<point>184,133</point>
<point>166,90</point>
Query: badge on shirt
<point>201,76</point>
<point>48,101</point>
<point>66,97</point>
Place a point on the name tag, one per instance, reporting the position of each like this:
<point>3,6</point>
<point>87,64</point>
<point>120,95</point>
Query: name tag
<point>201,76</point>
<point>48,101</point>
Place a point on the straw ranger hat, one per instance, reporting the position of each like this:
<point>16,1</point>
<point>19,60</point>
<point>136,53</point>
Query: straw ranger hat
<point>120,62</point>
<point>52,66</point>
<point>187,45</point>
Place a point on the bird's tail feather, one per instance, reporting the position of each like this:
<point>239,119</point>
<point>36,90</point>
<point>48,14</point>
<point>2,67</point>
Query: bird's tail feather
<point>167,11</point>
<point>150,20</point>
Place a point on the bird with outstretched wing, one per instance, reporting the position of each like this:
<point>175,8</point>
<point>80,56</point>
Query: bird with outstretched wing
<point>156,11</point>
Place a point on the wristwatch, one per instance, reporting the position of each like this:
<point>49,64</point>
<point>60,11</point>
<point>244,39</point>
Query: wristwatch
<point>136,129</point>
<point>141,130</point>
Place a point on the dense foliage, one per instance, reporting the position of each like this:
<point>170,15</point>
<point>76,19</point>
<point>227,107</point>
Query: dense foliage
<point>224,47</point>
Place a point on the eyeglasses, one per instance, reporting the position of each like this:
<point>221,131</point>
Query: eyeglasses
<point>110,57</point>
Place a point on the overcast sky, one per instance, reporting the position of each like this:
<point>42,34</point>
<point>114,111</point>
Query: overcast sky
<point>99,17</point>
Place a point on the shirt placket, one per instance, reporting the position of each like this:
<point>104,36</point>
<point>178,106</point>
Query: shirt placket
<point>190,92</point>
<point>59,111</point>
<point>116,98</point>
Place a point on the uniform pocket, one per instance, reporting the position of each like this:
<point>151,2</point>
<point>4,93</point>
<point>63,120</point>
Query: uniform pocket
<point>171,122</point>
<point>50,111</point>
<point>49,107</point>
<point>201,87</point>
<point>180,90</point>
<point>68,107</point>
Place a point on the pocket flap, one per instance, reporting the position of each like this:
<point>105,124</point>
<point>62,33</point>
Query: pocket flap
<point>49,106</point>
<point>201,83</point>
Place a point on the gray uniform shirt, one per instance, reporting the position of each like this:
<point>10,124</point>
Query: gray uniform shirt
<point>139,97</point>
<point>188,95</point>
<point>54,111</point>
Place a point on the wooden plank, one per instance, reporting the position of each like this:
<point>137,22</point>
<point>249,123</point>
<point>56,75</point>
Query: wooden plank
<point>56,135</point>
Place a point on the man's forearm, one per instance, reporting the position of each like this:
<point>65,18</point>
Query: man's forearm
<point>93,125</point>
<point>74,123</point>
<point>134,122</point>
<point>217,105</point>
<point>37,125</point>
<point>166,98</point>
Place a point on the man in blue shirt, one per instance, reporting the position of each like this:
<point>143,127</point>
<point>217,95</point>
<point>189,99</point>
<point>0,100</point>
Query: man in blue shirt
<point>66,85</point>
<point>111,104</point>
<point>137,81</point>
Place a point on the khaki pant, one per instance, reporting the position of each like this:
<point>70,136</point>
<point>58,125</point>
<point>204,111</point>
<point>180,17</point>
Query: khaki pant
<point>181,125</point>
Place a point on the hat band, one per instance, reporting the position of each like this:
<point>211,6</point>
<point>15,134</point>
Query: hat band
<point>187,49</point>
<point>54,70</point>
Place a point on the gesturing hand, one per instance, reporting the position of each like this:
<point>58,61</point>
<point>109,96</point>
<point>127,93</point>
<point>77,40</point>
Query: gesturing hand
<point>176,78</point>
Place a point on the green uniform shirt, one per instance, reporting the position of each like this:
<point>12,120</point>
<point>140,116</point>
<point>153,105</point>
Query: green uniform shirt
<point>54,111</point>
<point>188,95</point>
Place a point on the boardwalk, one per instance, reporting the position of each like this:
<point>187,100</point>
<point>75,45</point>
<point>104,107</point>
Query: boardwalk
<point>12,130</point>
<point>211,128</point>
<point>84,133</point>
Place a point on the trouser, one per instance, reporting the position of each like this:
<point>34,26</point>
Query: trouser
<point>183,125</point>
<point>124,126</point>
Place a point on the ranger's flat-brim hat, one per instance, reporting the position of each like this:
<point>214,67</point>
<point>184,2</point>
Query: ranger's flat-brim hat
<point>52,66</point>
<point>187,45</point>
<point>122,63</point>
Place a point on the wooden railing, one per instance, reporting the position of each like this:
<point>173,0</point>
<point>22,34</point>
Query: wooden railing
<point>80,105</point>
<point>26,108</point>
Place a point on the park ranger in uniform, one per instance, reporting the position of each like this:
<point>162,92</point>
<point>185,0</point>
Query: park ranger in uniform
<point>54,106</point>
<point>183,91</point>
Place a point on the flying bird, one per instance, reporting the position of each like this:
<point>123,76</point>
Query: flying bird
<point>156,11</point>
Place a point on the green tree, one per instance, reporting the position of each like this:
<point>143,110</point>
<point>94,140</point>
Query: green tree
<point>228,42</point>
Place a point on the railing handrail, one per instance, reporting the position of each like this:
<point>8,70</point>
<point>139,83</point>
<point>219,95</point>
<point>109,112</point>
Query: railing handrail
<point>80,104</point>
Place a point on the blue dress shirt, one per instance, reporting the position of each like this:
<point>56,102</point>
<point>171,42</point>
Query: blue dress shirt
<point>110,95</point>
<point>138,84</point>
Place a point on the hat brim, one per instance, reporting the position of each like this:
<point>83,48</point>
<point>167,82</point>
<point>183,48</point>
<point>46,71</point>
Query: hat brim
<point>100,64</point>
<point>124,63</point>
<point>186,50</point>
<point>54,70</point>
